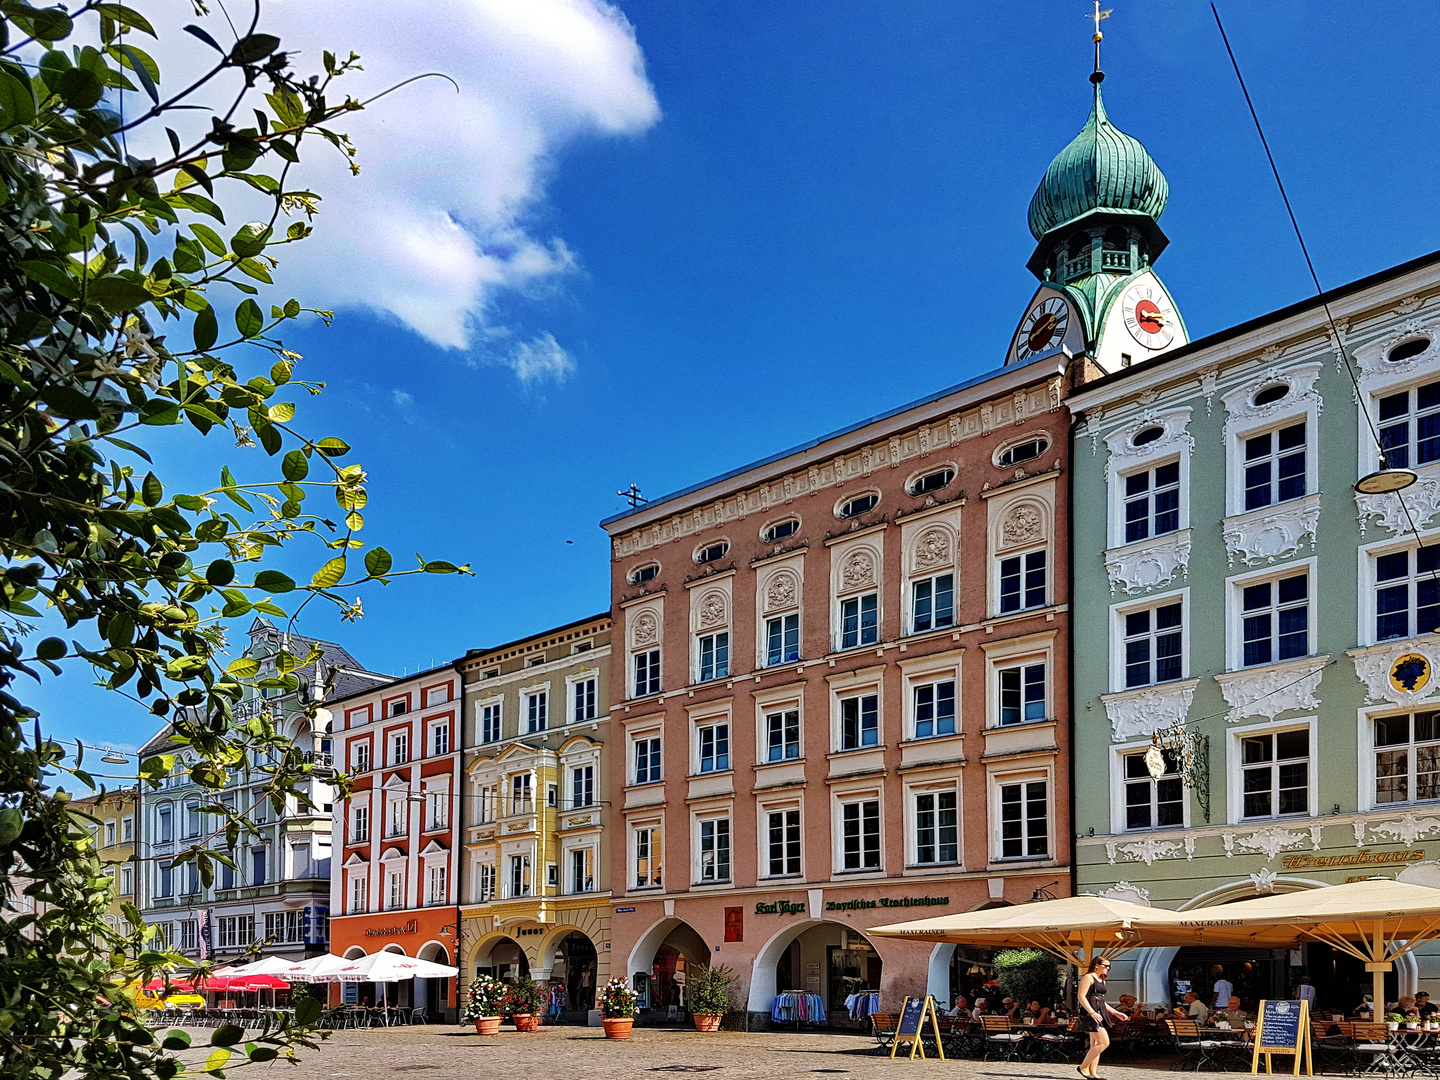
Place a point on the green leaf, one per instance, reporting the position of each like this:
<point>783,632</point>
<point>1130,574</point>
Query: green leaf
<point>68,403</point>
<point>281,412</point>
<point>243,668</point>
<point>17,97</point>
<point>248,318</point>
<point>439,566</point>
<point>217,1059</point>
<point>151,490</point>
<point>329,575</point>
<point>11,823</point>
<point>273,581</point>
<point>137,63</point>
<point>377,562</point>
<point>292,308</point>
<point>295,465</point>
<point>52,648</point>
<point>256,269</point>
<point>266,1053</point>
<point>253,47</point>
<point>209,237</point>
<point>79,88</point>
<point>117,294</point>
<point>227,1035</point>
<point>175,1039</point>
<point>307,1011</point>
<point>53,276</point>
<point>159,411</point>
<point>220,573</point>
<point>49,24</point>
<point>128,17</point>
<point>199,204</point>
<point>333,447</point>
<point>250,240</point>
<point>157,767</point>
<point>206,329</point>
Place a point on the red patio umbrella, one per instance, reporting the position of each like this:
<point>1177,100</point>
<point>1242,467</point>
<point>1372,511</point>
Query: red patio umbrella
<point>258,982</point>
<point>174,985</point>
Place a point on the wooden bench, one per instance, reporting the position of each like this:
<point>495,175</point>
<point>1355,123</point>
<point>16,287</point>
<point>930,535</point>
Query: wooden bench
<point>882,1026</point>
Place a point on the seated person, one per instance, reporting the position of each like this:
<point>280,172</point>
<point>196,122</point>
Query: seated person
<point>1424,1006</point>
<point>1041,1013</point>
<point>982,1008</point>
<point>1129,1005</point>
<point>1365,1006</point>
<point>1010,1007</point>
<point>1231,1014</point>
<point>1195,1008</point>
<point>961,1011</point>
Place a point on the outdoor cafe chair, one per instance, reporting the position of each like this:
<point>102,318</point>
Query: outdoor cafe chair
<point>1066,1046</point>
<point>1190,1048</point>
<point>1000,1039</point>
<point>1373,1051</point>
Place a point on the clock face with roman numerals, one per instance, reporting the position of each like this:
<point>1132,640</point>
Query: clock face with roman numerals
<point>1043,328</point>
<point>1148,316</point>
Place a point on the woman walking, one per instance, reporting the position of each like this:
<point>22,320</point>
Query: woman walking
<point>1096,1014</point>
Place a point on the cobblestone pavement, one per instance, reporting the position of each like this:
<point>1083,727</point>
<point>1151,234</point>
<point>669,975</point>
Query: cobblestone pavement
<point>563,1053</point>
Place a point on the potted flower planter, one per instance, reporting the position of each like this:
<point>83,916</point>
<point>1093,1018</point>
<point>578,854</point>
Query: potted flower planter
<point>708,1021</point>
<point>709,992</point>
<point>617,1028</point>
<point>1412,1026</point>
<point>526,1021</point>
<point>1392,1025</point>
<point>487,1025</point>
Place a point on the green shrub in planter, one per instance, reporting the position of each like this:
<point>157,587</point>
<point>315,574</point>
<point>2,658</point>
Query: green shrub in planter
<point>1027,975</point>
<point>524,998</point>
<point>710,991</point>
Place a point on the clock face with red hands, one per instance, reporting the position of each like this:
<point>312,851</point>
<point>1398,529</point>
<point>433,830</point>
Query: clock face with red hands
<point>1148,316</point>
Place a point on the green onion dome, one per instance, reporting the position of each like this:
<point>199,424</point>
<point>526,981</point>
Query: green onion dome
<point>1102,169</point>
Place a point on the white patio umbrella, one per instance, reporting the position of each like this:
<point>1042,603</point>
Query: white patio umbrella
<point>319,969</point>
<point>269,965</point>
<point>388,967</point>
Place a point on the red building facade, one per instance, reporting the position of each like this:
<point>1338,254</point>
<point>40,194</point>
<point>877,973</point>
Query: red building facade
<point>841,699</point>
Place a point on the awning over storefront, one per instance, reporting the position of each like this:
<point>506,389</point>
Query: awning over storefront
<point>1074,928</point>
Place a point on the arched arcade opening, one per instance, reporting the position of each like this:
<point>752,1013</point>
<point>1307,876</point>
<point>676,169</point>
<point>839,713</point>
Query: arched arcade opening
<point>500,957</point>
<point>827,960</point>
<point>435,996</point>
<point>660,966</point>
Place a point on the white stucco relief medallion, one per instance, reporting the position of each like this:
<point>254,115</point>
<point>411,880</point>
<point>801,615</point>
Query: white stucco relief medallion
<point>647,630</point>
<point>1272,532</point>
<point>858,570</point>
<point>781,592</point>
<point>1272,689</point>
<point>712,610</point>
<point>1400,671</point>
<point>1022,525</point>
<point>1147,850</point>
<point>1150,563</point>
<point>1134,713</point>
<point>1268,841</point>
<point>933,549</point>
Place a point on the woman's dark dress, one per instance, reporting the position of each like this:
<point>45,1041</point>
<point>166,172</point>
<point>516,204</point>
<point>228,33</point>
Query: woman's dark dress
<point>1096,1000</point>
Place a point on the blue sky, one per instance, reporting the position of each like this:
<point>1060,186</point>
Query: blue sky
<point>748,223</point>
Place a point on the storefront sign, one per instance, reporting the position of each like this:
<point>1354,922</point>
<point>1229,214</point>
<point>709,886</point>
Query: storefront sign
<point>779,907</point>
<point>390,931</point>
<point>1359,858</point>
<point>886,901</point>
<point>624,910</point>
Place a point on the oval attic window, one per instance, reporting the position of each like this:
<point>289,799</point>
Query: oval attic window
<point>644,574</point>
<point>1272,394</point>
<point>932,481</point>
<point>859,505</point>
<point>711,552</point>
<point>1405,350</point>
<point>781,530</point>
<point>1025,451</point>
<point>1147,435</point>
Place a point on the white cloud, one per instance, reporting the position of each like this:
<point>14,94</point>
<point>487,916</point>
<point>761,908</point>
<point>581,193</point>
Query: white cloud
<point>539,360</point>
<point>401,398</point>
<point>440,221</point>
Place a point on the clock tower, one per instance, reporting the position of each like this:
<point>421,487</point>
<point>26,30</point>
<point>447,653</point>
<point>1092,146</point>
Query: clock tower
<point>1095,219</point>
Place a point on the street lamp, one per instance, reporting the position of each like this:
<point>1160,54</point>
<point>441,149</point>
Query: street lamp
<point>114,757</point>
<point>1385,480</point>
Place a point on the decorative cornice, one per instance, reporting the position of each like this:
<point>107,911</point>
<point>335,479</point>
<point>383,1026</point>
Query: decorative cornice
<point>1271,532</point>
<point>1272,689</point>
<point>1420,502</point>
<point>1400,671</point>
<point>1148,564</point>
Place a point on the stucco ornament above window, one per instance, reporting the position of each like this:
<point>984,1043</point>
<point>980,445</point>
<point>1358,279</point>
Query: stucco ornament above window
<point>781,592</point>
<point>712,610</point>
<point>1401,671</point>
<point>858,571</point>
<point>1272,532</point>
<point>1421,499</point>
<point>1150,563</point>
<point>1245,414</point>
<point>1135,713</point>
<point>933,550</point>
<point>646,629</point>
<point>1272,689</point>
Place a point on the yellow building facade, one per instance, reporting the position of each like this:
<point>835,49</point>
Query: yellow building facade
<point>536,893</point>
<point>115,824</point>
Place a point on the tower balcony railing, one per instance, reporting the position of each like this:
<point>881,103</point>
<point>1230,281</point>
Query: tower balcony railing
<point>1115,260</point>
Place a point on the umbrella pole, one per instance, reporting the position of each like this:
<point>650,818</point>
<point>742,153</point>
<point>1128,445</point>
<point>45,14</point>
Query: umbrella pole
<point>1378,966</point>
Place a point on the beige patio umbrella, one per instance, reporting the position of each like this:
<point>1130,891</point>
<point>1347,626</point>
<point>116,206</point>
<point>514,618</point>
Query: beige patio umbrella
<point>1074,929</point>
<point>1375,921</point>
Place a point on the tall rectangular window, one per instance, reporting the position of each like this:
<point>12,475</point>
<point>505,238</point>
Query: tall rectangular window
<point>189,935</point>
<point>259,866</point>
<point>437,809</point>
<point>1275,466</point>
<point>582,870</point>
<point>1276,620</point>
<point>435,891</point>
<point>359,889</point>
<point>1023,581</point>
<point>1410,426</point>
<point>582,786</point>
<point>1407,758</point>
<point>537,711</point>
<point>647,857</point>
<point>227,873</point>
<point>1275,773</point>
<point>164,880</point>
<point>1024,822</point>
<point>362,757</point>
<point>859,621</point>
<point>521,801</point>
<point>127,829</point>
<point>1152,502</point>
<point>399,748</point>
<point>935,709</point>
<point>440,739</point>
<point>715,850</point>
<point>490,722</point>
<point>647,760</point>
<point>395,889</point>
<point>782,735</point>
<point>164,826</point>
<point>1407,594</point>
<point>485,887</point>
<point>859,722</point>
<point>937,833</point>
<point>782,836</point>
<point>1153,640</point>
<point>582,701</point>
<point>360,825</point>
<point>1022,694</point>
<point>714,656</point>
<point>1152,802</point>
<point>932,603</point>
<point>192,819</point>
<point>860,835</point>
<point>647,672</point>
<point>782,639</point>
<point>399,817</point>
<point>520,876</point>
<point>714,740</point>
<point>110,833</point>
<point>127,880</point>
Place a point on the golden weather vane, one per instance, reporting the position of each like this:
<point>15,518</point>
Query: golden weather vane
<point>1098,16</point>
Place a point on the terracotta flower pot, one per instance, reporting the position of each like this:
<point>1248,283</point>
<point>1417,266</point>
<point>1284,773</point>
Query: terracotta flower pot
<point>526,1021</point>
<point>618,1028</point>
<point>708,1021</point>
<point>487,1025</point>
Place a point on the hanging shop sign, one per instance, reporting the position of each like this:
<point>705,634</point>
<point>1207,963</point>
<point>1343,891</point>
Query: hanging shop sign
<point>1360,857</point>
<point>886,901</point>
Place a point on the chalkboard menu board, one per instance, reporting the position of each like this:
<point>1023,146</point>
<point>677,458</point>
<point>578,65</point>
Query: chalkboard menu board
<point>1283,1027</point>
<point>910,1027</point>
<point>911,1017</point>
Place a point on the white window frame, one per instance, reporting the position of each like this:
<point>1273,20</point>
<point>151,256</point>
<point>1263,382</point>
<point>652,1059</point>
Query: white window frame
<point>857,598</point>
<point>655,829</point>
<point>931,577</point>
<point>580,780</point>
<point>588,853</point>
<point>782,618</point>
<point>1366,632</point>
<point>717,670</point>
<point>857,694</point>
<point>1118,613</point>
<point>1234,784</point>
<point>360,755</point>
<point>515,784</point>
<point>1368,750</point>
<point>583,697</point>
<point>437,808</point>
<point>519,865</point>
<point>1118,823</point>
<point>1235,613</point>
<point>437,728</point>
<point>359,892</point>
<point>631,761</point>
<point>127,829</point>
<point>998,782</point>
<point>654,665</point>
<point>360,823</point>
<point>934,787</point>
<point>997,562</point>
<point>839,801</point>
<point>1247,421</point>
<point>486,881</point>
<point>535,708</point>
<point>397,741</point>
<point>1127,459</point>
<point>789,806</point>
<point>711,722</point>
<point>714,818</point>
<point>489,710</point>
